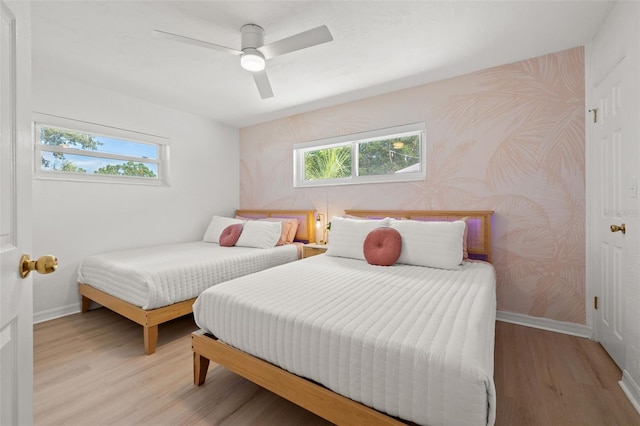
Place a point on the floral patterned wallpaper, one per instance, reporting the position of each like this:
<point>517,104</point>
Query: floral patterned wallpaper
<point>509,139</point>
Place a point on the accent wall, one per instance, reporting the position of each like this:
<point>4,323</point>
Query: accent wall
<point>509,139</point>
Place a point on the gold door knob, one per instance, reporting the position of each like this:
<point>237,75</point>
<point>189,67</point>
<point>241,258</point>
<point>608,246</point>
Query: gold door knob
<point>44,265</point>
<point>616,228</point>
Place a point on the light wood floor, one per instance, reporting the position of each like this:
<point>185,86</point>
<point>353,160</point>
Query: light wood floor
<point>90,369</point>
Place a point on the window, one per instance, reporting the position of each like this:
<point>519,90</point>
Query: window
<point>386,155</point>
<point>77,150</point>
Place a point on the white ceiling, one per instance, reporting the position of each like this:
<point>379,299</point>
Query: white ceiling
<point>379,46</point>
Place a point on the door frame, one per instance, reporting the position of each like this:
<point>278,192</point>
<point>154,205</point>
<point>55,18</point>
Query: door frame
<point>590,257</point>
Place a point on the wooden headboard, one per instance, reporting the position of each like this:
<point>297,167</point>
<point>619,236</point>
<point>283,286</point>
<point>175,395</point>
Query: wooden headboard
<point>306,230</point>
<point>478,224</point>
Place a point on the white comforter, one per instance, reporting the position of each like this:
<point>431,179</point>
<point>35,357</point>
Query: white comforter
<point>153,277</point>
<point>414,342</point>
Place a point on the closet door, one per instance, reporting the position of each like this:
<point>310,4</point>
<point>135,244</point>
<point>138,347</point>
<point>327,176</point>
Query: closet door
<point>613,159</point>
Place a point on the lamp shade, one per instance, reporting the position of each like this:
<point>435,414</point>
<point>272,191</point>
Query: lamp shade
<point>252,60</point>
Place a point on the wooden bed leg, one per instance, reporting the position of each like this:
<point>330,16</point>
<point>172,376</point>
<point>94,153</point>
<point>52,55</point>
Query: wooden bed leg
<point>86,302</point>
<point>150,339</point>
<point>200,367</point>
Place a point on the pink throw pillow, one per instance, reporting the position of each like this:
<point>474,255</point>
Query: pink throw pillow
<point>382,246</point>
<point>293,230</point>
<point>229,235</point>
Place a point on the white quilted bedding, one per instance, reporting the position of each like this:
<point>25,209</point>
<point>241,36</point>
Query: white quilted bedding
<point>414,342</point>
<point>153,277</point>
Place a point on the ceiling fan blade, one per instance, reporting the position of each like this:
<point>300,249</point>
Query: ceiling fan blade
<point>299,41</point>
<point>264,87</point>
<point>195,42</point>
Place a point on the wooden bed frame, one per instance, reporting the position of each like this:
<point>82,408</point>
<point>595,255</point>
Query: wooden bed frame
<point>150,319</point>
<point>306,393</point>
<point>478,224</point>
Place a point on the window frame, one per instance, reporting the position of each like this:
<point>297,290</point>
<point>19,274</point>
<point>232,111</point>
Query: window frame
<point>354,140</point>
<point>41,120</point>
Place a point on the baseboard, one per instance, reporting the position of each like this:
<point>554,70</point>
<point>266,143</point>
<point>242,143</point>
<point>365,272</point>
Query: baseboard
<point>631,389</point>
<point>546,324</point>
<point>50,314</point>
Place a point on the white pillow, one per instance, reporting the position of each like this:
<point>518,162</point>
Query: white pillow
<point>347,236</point>
<point>216,226</point>
<point>433,244</point>
<point>259,234</point>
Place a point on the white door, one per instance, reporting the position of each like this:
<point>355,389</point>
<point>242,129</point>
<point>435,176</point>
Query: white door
<point>614,155</point>
<point>16,311</point>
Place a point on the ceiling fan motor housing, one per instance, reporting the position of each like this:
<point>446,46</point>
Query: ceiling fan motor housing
<point>252,36</point>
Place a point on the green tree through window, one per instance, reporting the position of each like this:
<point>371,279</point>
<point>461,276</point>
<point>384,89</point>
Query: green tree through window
<point>392,154</point>
<point>66,138</point>
<point>388,155</point>
<point>70,139</point>
<point>126,169</point>
<point>328,163</point>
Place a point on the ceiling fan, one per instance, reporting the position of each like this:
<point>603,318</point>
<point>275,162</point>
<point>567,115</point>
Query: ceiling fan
<point>254,53</point>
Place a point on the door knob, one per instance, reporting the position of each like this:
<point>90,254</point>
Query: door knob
<point>616,228</point>
<point>44,265</point>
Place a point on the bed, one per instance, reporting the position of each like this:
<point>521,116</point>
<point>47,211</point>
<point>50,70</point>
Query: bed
<point>153,285</point>
<point>362,344</point>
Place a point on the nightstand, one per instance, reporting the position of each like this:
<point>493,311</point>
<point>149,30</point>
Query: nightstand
<point>309,250</point>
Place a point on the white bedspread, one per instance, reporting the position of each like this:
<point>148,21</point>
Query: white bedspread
<point>414,342</point>
<point>153,277</point>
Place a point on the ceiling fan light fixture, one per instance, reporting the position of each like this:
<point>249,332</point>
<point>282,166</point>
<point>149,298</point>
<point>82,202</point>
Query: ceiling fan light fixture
<point>252,60</point>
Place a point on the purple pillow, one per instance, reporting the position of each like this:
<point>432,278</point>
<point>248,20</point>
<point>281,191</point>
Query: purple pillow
<point>382,246</point>
<point>229,235</point>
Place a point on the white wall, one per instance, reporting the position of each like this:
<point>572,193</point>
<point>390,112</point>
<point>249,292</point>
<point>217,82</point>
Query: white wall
<point>76,219</point>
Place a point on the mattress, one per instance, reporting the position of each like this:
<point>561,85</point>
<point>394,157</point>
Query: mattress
<point>413,342</point>
<point>153,277</point>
